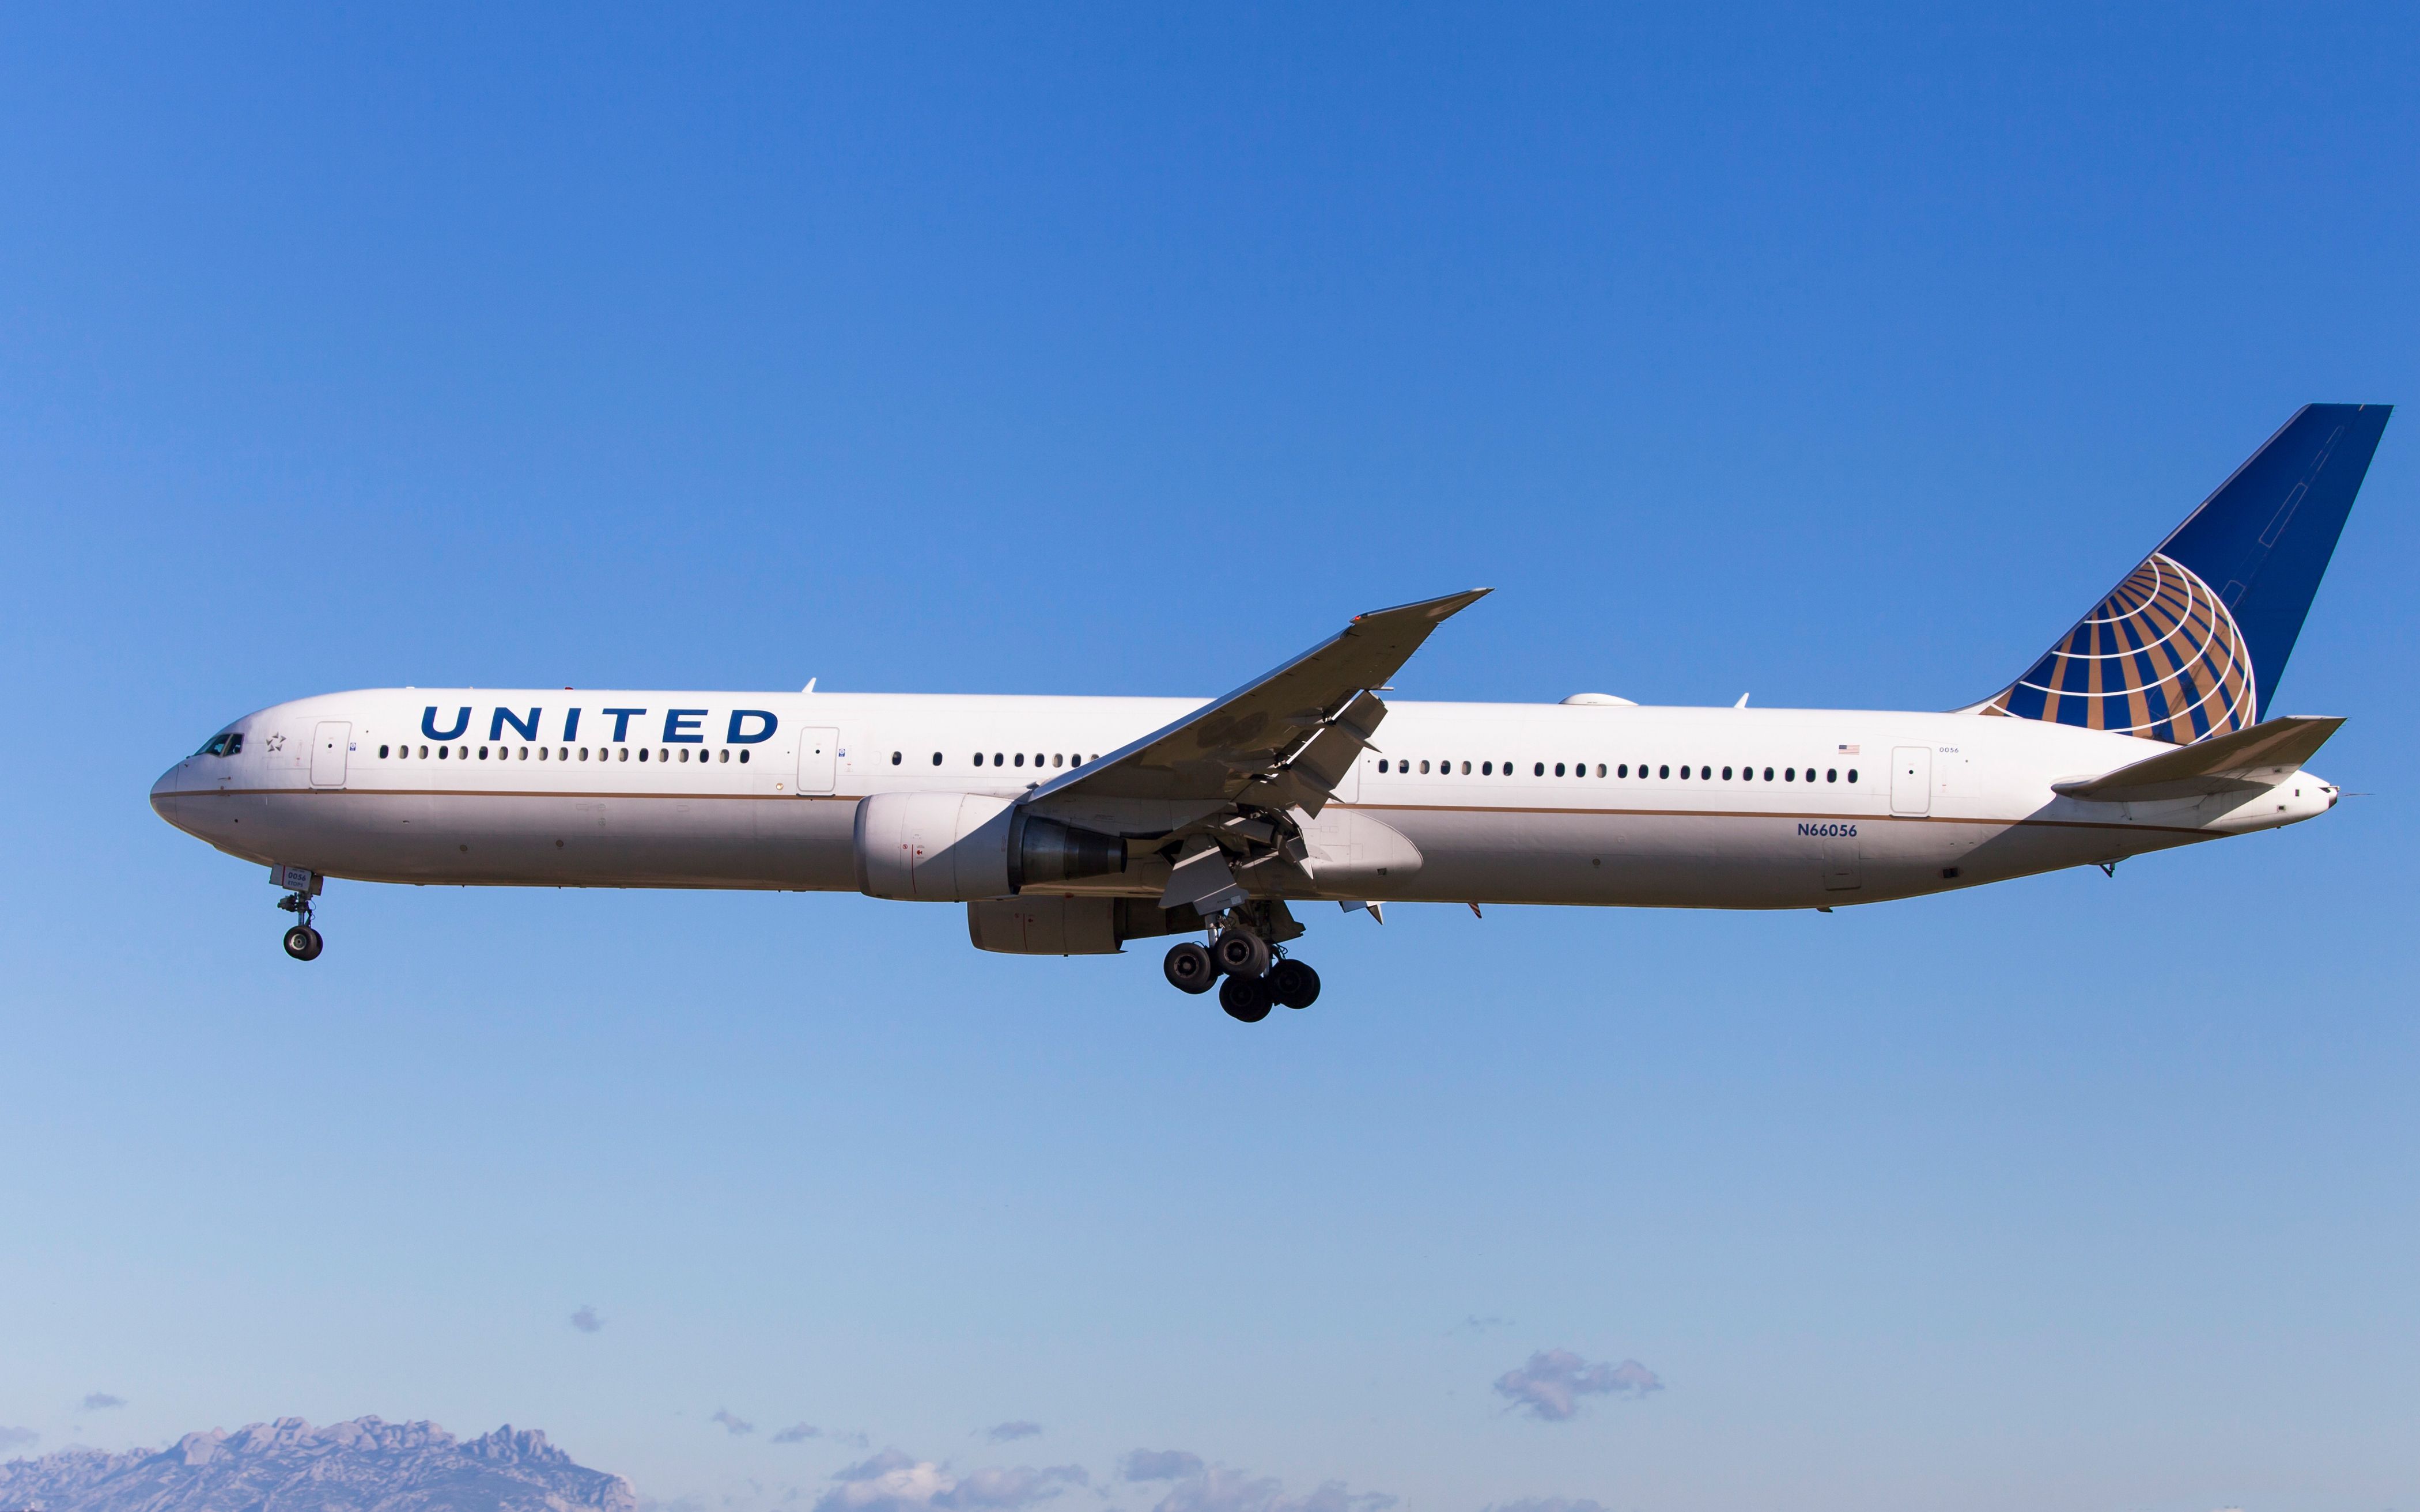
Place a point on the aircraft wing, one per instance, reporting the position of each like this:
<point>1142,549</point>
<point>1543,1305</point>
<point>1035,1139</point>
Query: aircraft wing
<point>2258,757</point>
<point>1283,740</point>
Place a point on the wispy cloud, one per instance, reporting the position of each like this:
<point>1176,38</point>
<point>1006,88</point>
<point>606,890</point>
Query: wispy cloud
<point>1548,1503</point>
<point>1158,1464</point>
<point>798,1433</point>
<point>895,1482</point>
<point>587,1319</point>
<point>100,1400</point>
<point>1550,1386</point>
<point>1220,1490</point>
<point>16,1438</point>
<point>1006,1432</point>
<point>1474,1323</point>
<point>731,1424</point>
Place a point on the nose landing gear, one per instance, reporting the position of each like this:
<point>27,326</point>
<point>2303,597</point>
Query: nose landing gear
<point>302,942</point>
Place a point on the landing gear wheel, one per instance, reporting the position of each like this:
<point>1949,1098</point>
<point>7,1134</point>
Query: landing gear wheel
<point>1244,997</point>
<point>1241,953</point>
<point>303,943</point>
<point>1293,984</point>
<point>1188,969</point>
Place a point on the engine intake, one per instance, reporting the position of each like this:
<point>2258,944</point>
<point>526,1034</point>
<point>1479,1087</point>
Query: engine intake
<point>961,847</point>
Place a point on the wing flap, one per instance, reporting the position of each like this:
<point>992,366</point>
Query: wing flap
<point>2258,757</point>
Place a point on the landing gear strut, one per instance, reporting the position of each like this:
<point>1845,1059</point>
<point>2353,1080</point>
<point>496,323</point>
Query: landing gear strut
<point>302,942</point>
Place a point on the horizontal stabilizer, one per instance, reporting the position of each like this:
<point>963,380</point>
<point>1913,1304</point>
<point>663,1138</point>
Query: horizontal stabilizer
<point>2259,757</point>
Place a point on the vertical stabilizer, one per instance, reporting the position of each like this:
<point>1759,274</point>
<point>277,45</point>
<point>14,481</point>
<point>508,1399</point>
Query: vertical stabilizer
<point>2193,642</point>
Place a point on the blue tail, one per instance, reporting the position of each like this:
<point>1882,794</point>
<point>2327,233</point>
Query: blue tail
<point>2193,642</point>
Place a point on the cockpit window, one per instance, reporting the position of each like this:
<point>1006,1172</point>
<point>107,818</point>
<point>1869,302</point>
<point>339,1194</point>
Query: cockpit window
<point>226,743</point>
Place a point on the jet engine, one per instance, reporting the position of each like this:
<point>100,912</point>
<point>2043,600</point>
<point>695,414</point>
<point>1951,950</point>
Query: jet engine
<point>960,847</point>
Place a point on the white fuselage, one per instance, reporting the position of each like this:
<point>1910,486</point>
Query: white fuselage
<point>1501,802</point>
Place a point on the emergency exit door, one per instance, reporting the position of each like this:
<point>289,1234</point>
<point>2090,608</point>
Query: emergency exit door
<point>818,760</point>
<point>1911,780</point>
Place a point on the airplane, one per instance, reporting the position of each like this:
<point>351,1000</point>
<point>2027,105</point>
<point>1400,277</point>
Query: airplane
<point>1072,825</point>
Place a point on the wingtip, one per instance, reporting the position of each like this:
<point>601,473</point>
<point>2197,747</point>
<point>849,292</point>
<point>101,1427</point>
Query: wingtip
<point>1434,609</point>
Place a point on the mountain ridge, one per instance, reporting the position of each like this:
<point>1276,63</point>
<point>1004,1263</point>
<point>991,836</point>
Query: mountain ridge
<point>365,1464</point>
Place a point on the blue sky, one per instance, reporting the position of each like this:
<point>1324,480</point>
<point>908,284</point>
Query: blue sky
<point>1841,361</point>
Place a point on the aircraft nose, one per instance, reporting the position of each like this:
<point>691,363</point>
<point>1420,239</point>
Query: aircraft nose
<point>166,788</point>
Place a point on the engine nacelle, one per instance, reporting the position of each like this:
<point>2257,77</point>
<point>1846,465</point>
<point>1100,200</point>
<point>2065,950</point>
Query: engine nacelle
<point>1041,923</point>
<point>959,847</point>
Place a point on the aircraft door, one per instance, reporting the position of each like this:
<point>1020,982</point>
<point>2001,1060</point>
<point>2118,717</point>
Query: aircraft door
<point>1911,780</point>
<point>328,746</point>
<point>818,760</point>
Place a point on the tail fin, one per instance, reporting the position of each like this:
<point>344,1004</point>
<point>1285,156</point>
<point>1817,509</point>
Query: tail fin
<point>2191,643</point>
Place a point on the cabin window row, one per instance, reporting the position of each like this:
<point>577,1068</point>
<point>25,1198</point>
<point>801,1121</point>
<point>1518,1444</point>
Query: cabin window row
<point>1646,770</point>
<point>561,753</point>
<point>1041,759</point>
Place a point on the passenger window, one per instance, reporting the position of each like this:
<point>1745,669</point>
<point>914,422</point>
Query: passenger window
<point>1056,762</point>
<point>1832,775</point>
<point>1558,768</point>
<point>895,758</point>
<point>441,754</point>
<point>1623,770</point>
<point>1789,774</point>
<point>743,758</point>
<point>1382,768</point>
<point>684,756</point>
<point>1424,768</point>
<point>642,753</point>
<point>583,754</point>
<point>1727,774</point>
<point>1600,769</point>
<point>998,760</point>
<point>1466,768</point>
<point>524,756</point>
<point>1487,769</point>
<point>1020,758</point>
<point>937,758</point>
<point>381,754</point>
<point>1537,768</point>
<point>1768,774</point>
<point>1853,774</point>
<point>483,753</point>
<point>1664,771</point>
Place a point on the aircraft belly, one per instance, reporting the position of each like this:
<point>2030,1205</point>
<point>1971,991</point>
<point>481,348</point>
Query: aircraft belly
<point>568,840</point>
<point>1639,860</point>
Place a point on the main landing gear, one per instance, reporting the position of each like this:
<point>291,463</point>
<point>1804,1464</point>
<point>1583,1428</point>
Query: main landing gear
<point>302,942</point>
<point>1239,963</point>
